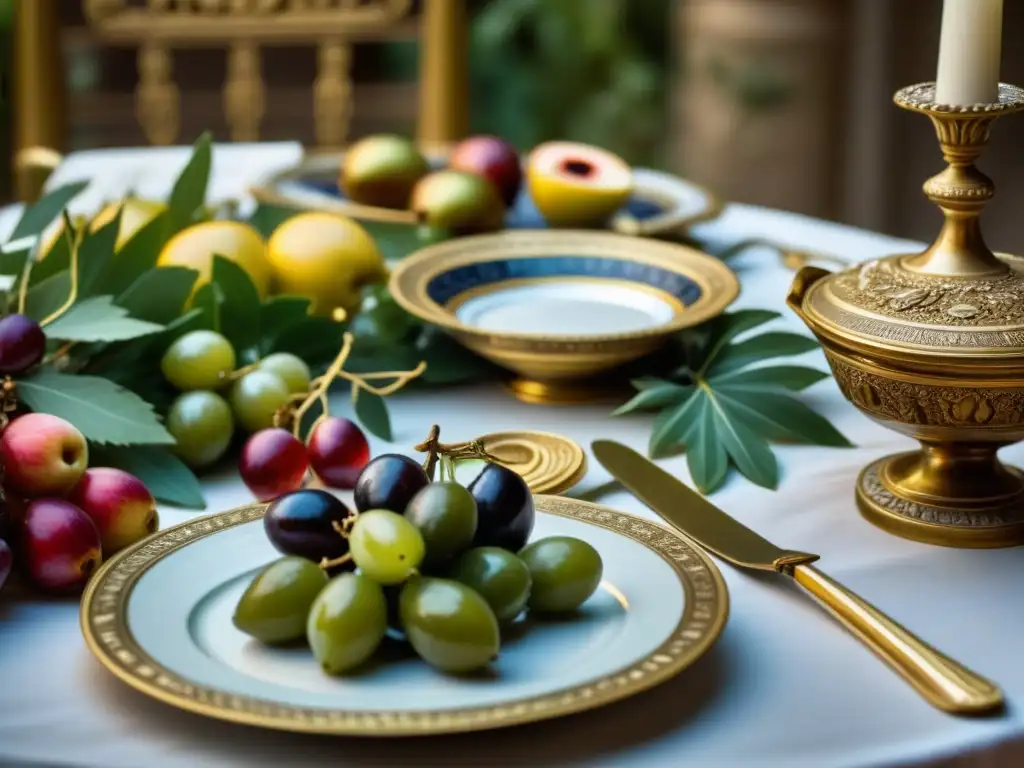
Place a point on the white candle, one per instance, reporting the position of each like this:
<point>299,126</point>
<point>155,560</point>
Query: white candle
<point>969,52</point>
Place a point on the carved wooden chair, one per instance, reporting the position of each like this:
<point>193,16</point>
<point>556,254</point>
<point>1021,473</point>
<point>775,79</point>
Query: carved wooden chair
<point>155,28</point>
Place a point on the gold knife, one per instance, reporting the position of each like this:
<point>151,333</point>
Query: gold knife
<point>941,680</point>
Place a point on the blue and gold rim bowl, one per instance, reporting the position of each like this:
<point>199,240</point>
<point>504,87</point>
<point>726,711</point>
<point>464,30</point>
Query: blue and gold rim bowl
<point>680,287</point>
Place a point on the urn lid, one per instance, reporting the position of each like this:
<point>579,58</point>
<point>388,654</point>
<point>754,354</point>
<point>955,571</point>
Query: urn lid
<point>884,306</point>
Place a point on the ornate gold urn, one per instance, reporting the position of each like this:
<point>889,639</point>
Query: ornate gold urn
<point>932,345</point>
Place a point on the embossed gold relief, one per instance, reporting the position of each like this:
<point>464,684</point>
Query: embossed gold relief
<point>157,99</point>
<point>884,288</point>
<point>332,94</point>
<point>916,403</point>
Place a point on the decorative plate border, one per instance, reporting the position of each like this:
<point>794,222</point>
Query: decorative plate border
<point>105,627</point>
<point>411,278</point>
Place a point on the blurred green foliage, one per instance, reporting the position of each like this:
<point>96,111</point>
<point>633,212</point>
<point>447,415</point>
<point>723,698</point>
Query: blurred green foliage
<point>592,71</point>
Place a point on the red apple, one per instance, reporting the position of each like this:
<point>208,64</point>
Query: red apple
<point>338,451</point>
<point>42,455</point>
<point>494,159</point>
<point>6,560</point>
<point>120,505</point>
<point>60,545</point>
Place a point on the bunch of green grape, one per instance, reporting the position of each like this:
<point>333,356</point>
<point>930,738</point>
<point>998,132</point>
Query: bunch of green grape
<point>435,564</point>
<point>216,398</point>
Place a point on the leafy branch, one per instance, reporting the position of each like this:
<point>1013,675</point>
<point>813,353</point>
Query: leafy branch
<point>724,411</point>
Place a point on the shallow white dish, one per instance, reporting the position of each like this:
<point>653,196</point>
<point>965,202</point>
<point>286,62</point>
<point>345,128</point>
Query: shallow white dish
<point>159,617</point>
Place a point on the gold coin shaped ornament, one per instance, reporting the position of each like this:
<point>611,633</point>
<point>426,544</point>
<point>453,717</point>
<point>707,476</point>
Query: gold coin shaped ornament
<point>549,463</point>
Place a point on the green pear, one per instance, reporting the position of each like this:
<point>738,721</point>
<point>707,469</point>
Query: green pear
<point>458,202</point>
<point>382,170</point>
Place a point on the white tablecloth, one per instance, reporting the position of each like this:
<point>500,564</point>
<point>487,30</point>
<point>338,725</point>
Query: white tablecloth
<point>783,687</point>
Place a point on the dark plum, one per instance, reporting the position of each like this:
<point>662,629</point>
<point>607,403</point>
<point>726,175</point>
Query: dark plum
<point>389,482</point>
<point>301,523</point>
<point>22,344</point>
<point>505,511</point>
<point>6,561</point>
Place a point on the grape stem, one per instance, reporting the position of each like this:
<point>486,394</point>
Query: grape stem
<point>326,563</point>
<point>449,454</point>
<point>75,244</point>
<point>298,406</point>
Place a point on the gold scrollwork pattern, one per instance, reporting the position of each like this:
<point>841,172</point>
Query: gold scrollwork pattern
<point>940,406</point>
<point>105,624</point>
<point>870,485</point>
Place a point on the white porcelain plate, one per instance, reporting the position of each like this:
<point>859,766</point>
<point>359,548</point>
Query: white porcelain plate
<point>159,617</point>
<point>574,308</point>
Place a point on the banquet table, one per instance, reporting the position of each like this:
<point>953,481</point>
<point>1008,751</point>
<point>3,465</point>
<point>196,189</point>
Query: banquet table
<point>783,685</point>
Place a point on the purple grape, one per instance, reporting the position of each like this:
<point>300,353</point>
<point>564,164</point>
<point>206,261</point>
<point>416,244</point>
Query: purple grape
<point>389,482</point>
<point>505,510</point>
<point>22,344</point>
<point>301,524</point>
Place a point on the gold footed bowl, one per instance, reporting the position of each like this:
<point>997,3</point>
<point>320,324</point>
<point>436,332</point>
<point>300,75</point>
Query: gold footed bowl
<point>931,345</point>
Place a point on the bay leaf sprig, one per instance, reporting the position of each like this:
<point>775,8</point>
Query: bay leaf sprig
<point>724,411</point>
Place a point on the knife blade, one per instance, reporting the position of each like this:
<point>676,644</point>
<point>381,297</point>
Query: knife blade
<point>942,681</point>
<point>687,510</point>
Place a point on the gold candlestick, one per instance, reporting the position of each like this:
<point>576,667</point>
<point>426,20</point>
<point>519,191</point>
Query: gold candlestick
<point>932,345</point>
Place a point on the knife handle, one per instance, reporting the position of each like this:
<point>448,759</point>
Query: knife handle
<point>938,678</point>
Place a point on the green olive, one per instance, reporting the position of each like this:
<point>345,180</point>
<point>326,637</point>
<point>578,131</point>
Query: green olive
<point>347,622</point>
<point>565,572</point>
<point>501,578</point>
<point>445,514</point>
<point>274,607</point>
<point>449,625</point>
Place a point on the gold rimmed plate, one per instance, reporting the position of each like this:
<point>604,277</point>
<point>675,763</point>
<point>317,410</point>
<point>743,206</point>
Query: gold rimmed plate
<point>558,307</point>
<point>158,616</point>
<point>661,203</point>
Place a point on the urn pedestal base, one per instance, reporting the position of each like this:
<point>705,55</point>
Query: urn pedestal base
<point>952,495</point>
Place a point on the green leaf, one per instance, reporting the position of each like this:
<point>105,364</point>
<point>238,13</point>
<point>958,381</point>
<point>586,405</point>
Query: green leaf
<point>98,319</point>
<point>658,396</point>
<point>372,412</point>
<point>189,193</point>
<point>761,347</point>
<point>103,411</point>
<point>780,417</point>
<point>95,254</point>
<point>134,258</point>
<point>41,214</point>
<point>209,299</point>
<point>670,432</point>
<point>58,259</point>
<point>167,477</point>
<point>448,362</point>
<point>281,311</point>
<point>317,340</point>
<point>160,294</point>
<point>748,451</point>
<point>792,377</point>
<point>706,456</point>
<point>266,218</point>
<point>240,305</point>
<point>704,342</point>
<point>12,263</point>
<point>46,298</point>
<point>396,241</point>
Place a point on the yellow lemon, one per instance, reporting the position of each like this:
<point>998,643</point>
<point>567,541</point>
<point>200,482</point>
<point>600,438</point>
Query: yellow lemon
<point>194,247</point>
<point>325,257</point>
<point>136,214</point>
